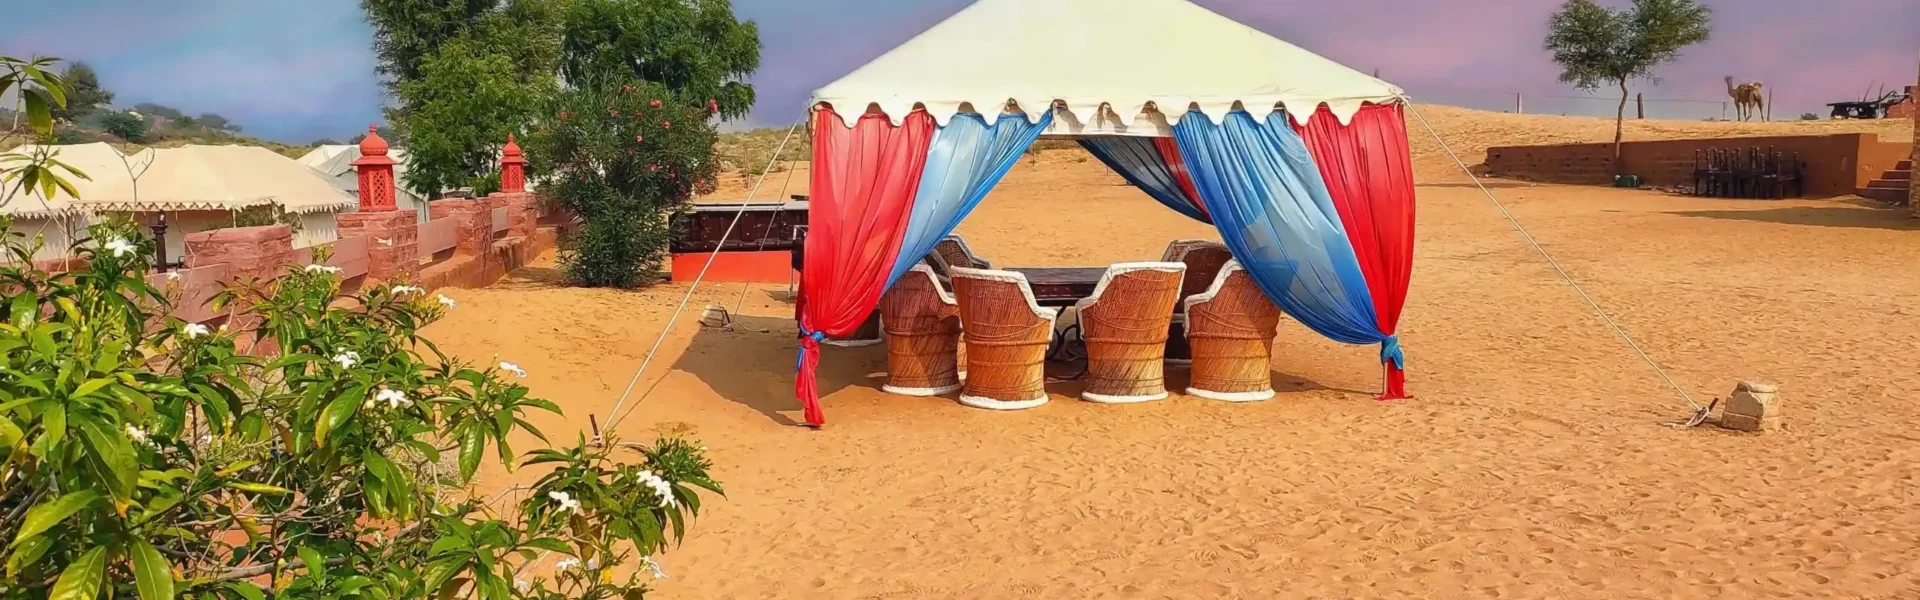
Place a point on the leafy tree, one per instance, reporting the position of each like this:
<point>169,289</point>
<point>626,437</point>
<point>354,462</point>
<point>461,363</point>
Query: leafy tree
<point>1595,45</point>
<point>37,92</point>
<point>129,126</point>
<point>464,105</point>
<point>151,458</point>
<point>694,47</point>
<point>85,94</point>
<point>624,157</point>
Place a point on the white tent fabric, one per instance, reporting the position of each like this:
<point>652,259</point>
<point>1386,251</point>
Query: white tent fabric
<point>335,161</point>
<point>219,178</point>
<point>1124,54</point>
<point>99,161</point>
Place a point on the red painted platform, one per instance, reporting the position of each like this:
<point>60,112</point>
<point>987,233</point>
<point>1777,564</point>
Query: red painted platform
<point>735,267</point>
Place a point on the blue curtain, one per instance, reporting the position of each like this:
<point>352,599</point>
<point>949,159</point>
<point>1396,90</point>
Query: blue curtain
<point>1274,212</point>
<point>965,161</point>
<point>1136,160</point>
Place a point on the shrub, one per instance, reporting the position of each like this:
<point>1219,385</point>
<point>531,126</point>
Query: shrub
<point>625,156</point>
<point>149,458</point>
<point>129,126</point>
<point>1809,117</point>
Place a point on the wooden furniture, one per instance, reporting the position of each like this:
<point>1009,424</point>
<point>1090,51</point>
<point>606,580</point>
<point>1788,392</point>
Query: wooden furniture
<point>922,322</point>
<point>1007,333</point>
<point>1177,248</point>
<point>1061,286</point>
<point>952,252</point>
<point>1230,328</point>
<point>1125,324</point>
<point>762,247</point>
<point>1748,173</point>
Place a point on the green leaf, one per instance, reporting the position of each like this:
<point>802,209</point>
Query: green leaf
<point>337,413</point>
<point>472,444</point>
<point>91,387</point>
<point>82,579</point>
<point>10,433</point>
<point>45,516</point>
<point>152,574</point>
<point>316,565</point>
<point>39,114</point>
<point>258,488</point>
<point>246,590</point>
<point>25,308</point>
<point>112,454</point>
<point>26,554</point>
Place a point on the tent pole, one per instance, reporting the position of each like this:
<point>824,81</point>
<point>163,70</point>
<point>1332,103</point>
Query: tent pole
<point>1550,261</point>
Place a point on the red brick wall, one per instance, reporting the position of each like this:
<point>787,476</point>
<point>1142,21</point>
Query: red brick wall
<point>1836,164</point>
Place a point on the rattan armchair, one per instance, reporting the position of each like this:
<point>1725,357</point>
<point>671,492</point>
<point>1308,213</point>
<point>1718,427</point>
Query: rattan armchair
<point>922,322</point>
<point>1203,260</point>
<point>1177,248</point>
<point>1230,328</point>
<point>1125,325</point>
<point>1007,333</point>
<point>953,253</point>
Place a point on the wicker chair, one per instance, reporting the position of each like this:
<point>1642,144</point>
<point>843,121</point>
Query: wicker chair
<point>952,252</point>
<point>1007,333</point>
<point>922,322</point>
<point>1203,260</point>
<point>1125,325</point>
<point>1231,327</point>
<point>1177,248</point>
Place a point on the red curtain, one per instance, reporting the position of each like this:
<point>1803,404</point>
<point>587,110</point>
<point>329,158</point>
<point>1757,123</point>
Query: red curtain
<point>1370,175</point>
<point>1170,152</point>
<point>864,180</point>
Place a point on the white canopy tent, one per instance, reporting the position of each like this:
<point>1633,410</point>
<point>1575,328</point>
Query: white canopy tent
<point>1086,53</point>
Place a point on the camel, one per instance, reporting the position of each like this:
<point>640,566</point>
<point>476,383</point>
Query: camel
<point>1748,98</point>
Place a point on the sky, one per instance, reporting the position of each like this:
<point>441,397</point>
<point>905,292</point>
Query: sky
<point>298,70</point>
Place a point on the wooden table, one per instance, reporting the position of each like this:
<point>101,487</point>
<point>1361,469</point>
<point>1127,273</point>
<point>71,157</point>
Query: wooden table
<point>1061,286</point>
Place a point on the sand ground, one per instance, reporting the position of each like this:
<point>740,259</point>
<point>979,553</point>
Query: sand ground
<point>1533,464</point>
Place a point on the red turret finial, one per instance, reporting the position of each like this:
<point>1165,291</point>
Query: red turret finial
<point>513,167</point>
<point>373,145</point>
<point>376,173</point>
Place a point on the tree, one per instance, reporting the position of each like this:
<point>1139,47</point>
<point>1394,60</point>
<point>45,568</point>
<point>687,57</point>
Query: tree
<point>130,126</point>
<point>84,94</point>
<point>1595,45</point>
<point>625,156</point>
<point>694,47</point>
<point>386,133</point>
<point>214,121</point>
<point>463,106</point>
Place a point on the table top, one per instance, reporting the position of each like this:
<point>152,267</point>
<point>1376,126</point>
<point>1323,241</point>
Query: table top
<point>1061,286</point>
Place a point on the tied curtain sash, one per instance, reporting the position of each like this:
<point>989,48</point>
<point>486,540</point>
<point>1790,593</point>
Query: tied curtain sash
<point>864,180</point>
<point>1275,213</point>
<point>966,159</point>
<point>1144,163</point>
<point>1368,171</point>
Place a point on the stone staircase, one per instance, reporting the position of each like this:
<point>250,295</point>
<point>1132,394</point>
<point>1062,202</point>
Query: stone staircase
<point>1892,186</point>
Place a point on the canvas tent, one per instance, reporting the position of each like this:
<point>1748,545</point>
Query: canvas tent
<point>1300,163</point>
<point>335,162</point>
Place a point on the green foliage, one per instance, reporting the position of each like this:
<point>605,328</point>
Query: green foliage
<point>37,92</point>
<point>624,155</point>
<point>1595,45</point>
<point>37,171</point>
<point>84,93</point>
<point>143,457</point>
<point>694,47</point>
<point>464,106</point>
<point>129,126</point>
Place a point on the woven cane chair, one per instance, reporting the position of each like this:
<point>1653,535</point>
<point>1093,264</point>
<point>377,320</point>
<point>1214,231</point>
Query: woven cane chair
<point>953,253</point>
<point>1203,260</point>
<point>1230,328</point>
<point>1007,333</point>
<point>922,322</point>
<point>1125,325</point>
<point>1177,248</point>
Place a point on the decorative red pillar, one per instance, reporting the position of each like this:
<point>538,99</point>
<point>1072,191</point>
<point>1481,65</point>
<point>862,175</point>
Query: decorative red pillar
<point>513,168</point>
<point>376,174</point>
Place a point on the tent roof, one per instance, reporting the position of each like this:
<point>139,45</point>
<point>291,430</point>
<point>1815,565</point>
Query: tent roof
<point>99,161</point>
<point>1124,53</point>
<point>195,178</point>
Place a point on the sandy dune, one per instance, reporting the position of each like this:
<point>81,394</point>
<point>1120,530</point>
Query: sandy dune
<point>1533,464</point>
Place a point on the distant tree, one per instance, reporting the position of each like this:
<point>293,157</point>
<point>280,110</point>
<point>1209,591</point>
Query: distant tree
<point>129,126</point>
<point>1809,117</point>
<point>694,47</point>
<point>1595,45</point>
<point>157,110</point>
<point>214,121</point>
<point>386,133</point>
<point>84,95</point>
<point>464,104</point>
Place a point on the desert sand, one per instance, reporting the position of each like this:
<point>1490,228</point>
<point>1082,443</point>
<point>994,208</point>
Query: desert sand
<point>1533,463</point>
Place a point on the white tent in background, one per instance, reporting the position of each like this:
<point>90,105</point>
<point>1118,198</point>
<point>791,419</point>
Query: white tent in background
<point>58,218</point>
<point>1086,53</point>
<point>335,161</point>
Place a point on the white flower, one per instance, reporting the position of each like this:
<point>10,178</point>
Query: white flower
<point>321,269</point>
<point>593,563</point>
<point>347,358</point>
<point>513,368</point>
<point>402,290</point>
<point>173,276</point>
<point>521,584</point>
<point>194,330</point>
<point>120,247</point>
<point>566,563</point>
<point>393,398</point>
<point>565,500</point>
<point>445,301</point>
<point>660,488</point>
<point>136,434</point>
<point>653,566</point>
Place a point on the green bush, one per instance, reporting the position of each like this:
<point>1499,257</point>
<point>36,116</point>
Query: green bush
<point>128,126</point>
<point>624,156</point>
<point>143,457</point>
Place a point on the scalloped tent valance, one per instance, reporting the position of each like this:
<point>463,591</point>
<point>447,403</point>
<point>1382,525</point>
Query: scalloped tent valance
<point>1107,67</point>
